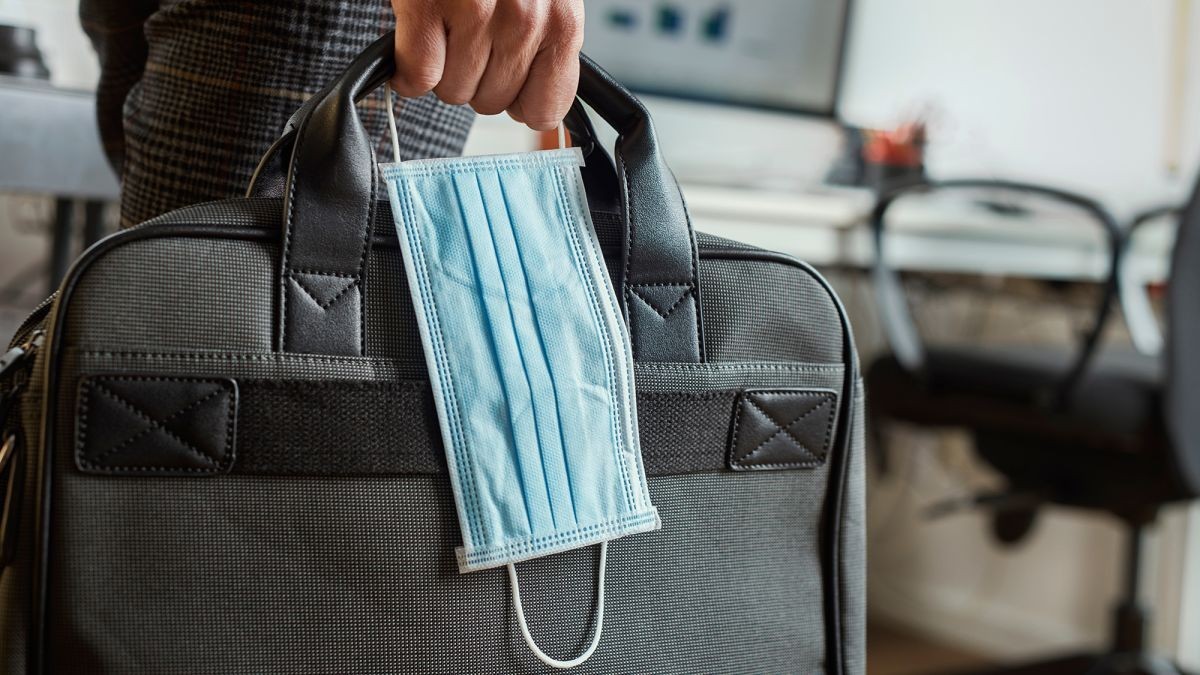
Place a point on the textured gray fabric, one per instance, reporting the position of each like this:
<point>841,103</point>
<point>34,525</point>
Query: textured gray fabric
<point>691,376</point>
<point>215,364</point>
<point>391,323</point>
<point>651,377</point>
<point>854,543</point>
<point>756,311</point>
<point>175,294</point>
<point>245,574</point>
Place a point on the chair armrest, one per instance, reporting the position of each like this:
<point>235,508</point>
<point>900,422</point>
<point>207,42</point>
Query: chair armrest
<point>899,328</point>
<point>1143,326</point>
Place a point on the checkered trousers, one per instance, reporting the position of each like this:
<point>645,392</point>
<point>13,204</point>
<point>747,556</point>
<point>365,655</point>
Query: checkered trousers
<point>192,92</point>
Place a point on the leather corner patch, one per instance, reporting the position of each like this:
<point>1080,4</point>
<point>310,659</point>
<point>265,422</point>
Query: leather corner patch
<point>782,429</point>
<point>133,425</point>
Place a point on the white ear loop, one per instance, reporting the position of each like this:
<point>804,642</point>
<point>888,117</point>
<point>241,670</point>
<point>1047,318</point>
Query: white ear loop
<point>391,115</point>
<point>555,663</point>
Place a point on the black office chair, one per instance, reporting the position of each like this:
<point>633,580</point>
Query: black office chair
<point>1101,429</point>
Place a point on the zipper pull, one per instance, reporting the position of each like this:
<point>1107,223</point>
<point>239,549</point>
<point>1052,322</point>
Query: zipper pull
<point>14,358</point>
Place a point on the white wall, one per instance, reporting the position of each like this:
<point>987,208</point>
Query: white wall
<point>1071,91</point>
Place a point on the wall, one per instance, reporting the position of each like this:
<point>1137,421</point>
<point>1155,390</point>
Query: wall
<point>1072,91</point>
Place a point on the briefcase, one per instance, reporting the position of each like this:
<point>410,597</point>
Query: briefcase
<point>221,454</point>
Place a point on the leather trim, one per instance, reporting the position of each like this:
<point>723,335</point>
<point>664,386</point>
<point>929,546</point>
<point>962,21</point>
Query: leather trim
<point>776,429</point>
<point>155,426</point>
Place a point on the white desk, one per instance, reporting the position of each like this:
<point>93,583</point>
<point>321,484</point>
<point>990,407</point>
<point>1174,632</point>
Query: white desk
<point>829,227</point>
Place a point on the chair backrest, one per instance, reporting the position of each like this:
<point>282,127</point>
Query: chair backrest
<point>1182,404</point>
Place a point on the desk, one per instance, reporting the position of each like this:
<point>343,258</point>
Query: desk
<point>828,227</point>
<point>49,144</point>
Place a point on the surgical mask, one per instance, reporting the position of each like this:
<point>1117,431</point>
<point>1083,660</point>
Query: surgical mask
<point>528,356</point>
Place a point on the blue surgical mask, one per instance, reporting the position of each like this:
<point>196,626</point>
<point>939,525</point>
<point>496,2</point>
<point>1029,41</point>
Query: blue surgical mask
<point>528,358</point>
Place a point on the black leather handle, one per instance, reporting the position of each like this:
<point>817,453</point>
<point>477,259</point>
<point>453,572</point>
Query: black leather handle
<point>329,196</point>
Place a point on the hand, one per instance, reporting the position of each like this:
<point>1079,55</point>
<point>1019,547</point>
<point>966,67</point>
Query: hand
<point>520,56</point>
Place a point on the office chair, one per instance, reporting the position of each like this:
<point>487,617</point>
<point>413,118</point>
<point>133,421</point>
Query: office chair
<point>1099,429</point>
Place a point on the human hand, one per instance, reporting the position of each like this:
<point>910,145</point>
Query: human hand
<point>519,56</point>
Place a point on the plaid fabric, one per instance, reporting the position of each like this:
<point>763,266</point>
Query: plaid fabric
<point>192,92</point>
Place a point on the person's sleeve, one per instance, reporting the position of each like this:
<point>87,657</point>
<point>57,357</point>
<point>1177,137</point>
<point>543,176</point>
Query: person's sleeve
<point>116,30</point>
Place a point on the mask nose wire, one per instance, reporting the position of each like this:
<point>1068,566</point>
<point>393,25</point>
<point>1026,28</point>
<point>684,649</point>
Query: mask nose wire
<point>552,662</point>
<point>395,134</point>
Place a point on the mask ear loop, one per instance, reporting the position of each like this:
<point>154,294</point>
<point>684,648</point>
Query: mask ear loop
<point>391,117</point>
<point>552,662</point>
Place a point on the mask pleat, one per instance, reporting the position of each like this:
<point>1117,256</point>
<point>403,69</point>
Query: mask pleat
<point>504,224</point>
<point>552,244</point>
<point>441,211</point>
<point>506,353</point>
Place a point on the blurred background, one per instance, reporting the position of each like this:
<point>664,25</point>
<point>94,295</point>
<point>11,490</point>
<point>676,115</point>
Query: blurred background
<point>785,121</point>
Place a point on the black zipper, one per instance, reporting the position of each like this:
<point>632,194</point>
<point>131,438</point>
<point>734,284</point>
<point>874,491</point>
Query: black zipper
<point>34,321</point>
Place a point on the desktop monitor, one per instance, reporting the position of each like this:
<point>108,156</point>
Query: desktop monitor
<point>777,54</point>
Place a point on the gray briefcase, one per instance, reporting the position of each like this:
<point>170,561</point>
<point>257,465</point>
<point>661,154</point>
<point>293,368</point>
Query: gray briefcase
<point>220,452</point>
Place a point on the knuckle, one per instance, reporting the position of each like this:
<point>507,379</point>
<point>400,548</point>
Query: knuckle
<point>477,11</point>
<point>524,17</point>
<point>568,23</point>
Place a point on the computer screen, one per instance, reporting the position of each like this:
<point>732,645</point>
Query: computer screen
<point>781,54</point>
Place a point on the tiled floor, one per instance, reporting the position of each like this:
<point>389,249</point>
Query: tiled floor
<point>892,651</point>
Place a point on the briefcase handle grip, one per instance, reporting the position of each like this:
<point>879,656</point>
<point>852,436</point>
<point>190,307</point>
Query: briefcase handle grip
<point>330,191</point>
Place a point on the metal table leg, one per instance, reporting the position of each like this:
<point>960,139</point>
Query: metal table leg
<point>60,244</point>
<point>93,221</point>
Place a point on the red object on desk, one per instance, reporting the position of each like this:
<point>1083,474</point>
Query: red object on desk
<point>903,146</point>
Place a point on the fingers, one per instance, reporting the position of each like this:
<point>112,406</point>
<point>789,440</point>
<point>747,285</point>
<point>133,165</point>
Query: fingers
<point>516,55</point>
<point>513,50</point>
<point>468,49</point>
<point>553,78</point>
<point>420,49</point>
